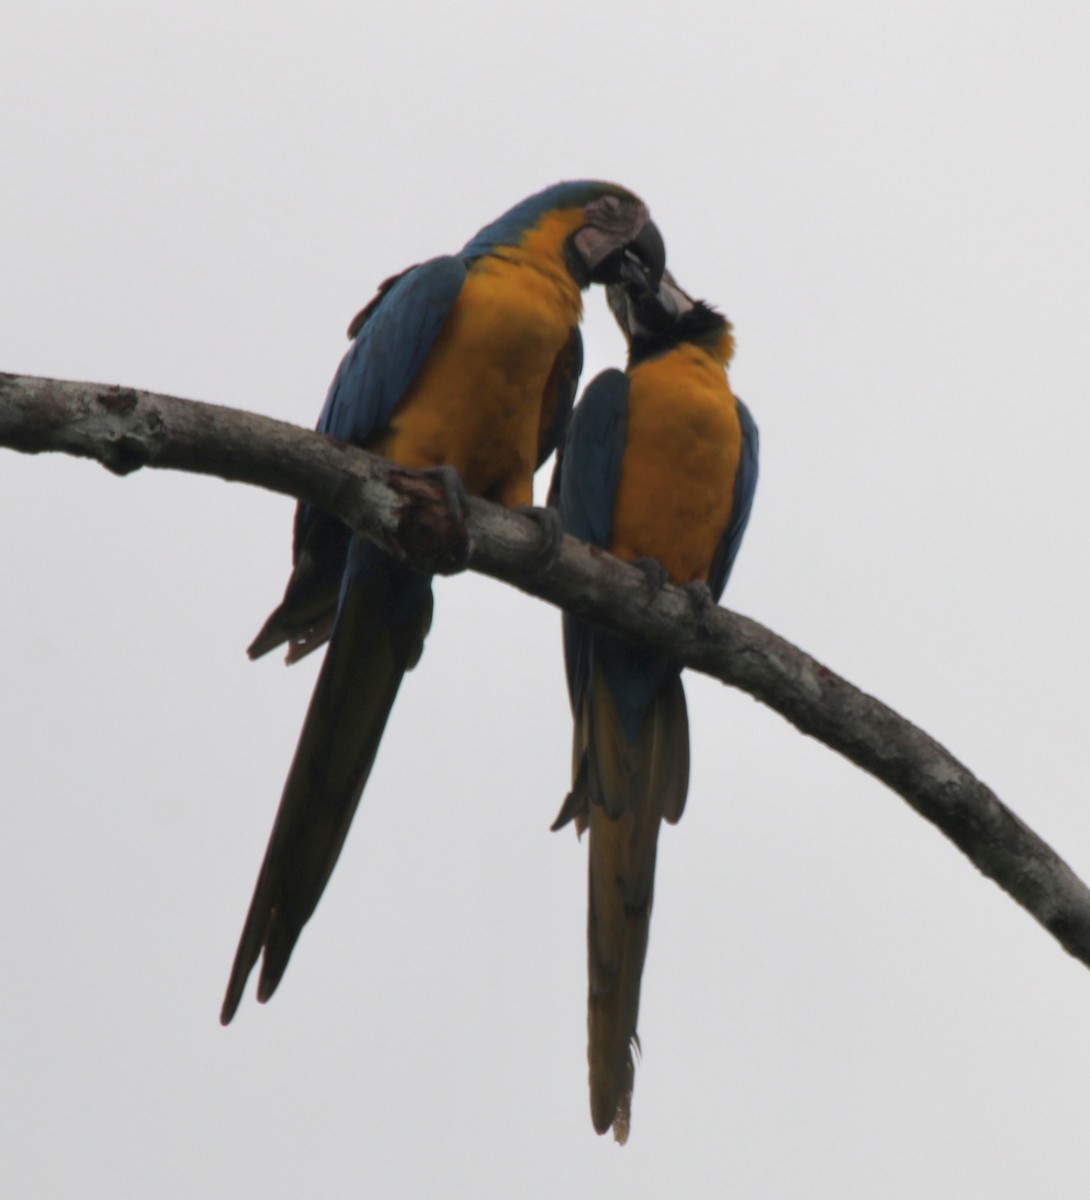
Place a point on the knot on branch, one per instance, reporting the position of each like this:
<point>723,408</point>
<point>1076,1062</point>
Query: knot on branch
<point>431,528</point>
<point>133,432</point>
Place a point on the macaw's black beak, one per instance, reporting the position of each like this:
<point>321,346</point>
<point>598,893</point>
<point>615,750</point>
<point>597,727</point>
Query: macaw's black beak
<point>644,259</point>
<point>641,310</point>
<point>640,262</point>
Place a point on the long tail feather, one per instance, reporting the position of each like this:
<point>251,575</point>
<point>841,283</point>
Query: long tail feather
<point>368,655</point>
<point>630,788</point>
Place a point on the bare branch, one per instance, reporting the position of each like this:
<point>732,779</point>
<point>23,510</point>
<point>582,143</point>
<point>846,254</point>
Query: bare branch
<point>125,429</point>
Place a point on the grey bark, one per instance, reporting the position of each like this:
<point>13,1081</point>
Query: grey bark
<point>416,517</point>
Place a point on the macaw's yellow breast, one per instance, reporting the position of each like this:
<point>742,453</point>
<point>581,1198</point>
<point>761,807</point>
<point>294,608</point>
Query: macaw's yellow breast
<point>683,446</point>
<point>477,402</point>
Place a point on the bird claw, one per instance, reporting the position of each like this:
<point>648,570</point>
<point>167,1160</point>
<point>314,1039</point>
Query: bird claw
<point>454,491</point>
<point>702,602</point>
<point>432,523</point>
<point>548,521</point>
<point>654,573</point>
<point>700,595</point>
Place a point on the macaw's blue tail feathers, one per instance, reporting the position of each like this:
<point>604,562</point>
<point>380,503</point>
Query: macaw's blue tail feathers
<point>378,636</point>
<point>628,789</point>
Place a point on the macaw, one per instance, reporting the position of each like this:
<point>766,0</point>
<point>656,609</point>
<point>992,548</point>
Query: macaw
<point>659,468</point>
<point>470,362</point>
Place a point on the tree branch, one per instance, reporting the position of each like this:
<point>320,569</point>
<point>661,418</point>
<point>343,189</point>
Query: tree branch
<point>410,515</point>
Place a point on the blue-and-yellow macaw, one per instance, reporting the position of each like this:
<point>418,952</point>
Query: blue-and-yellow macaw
<point>468,361</point>
<point>660,463</point>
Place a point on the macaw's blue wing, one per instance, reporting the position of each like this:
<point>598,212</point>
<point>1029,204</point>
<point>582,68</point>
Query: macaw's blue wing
<point>745,484</point>
<point>584,484</point>
<point>584,488</point>
<point>392,337</point>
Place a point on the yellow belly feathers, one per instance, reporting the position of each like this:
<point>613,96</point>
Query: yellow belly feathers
<point>682,451</point>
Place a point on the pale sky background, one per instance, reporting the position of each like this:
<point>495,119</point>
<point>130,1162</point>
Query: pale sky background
<point>890,202</point>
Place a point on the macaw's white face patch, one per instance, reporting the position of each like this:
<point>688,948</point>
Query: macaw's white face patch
<point>612,222</point>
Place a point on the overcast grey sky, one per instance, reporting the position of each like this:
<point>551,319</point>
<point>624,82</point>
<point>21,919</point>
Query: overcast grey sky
<point>890,202</point>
